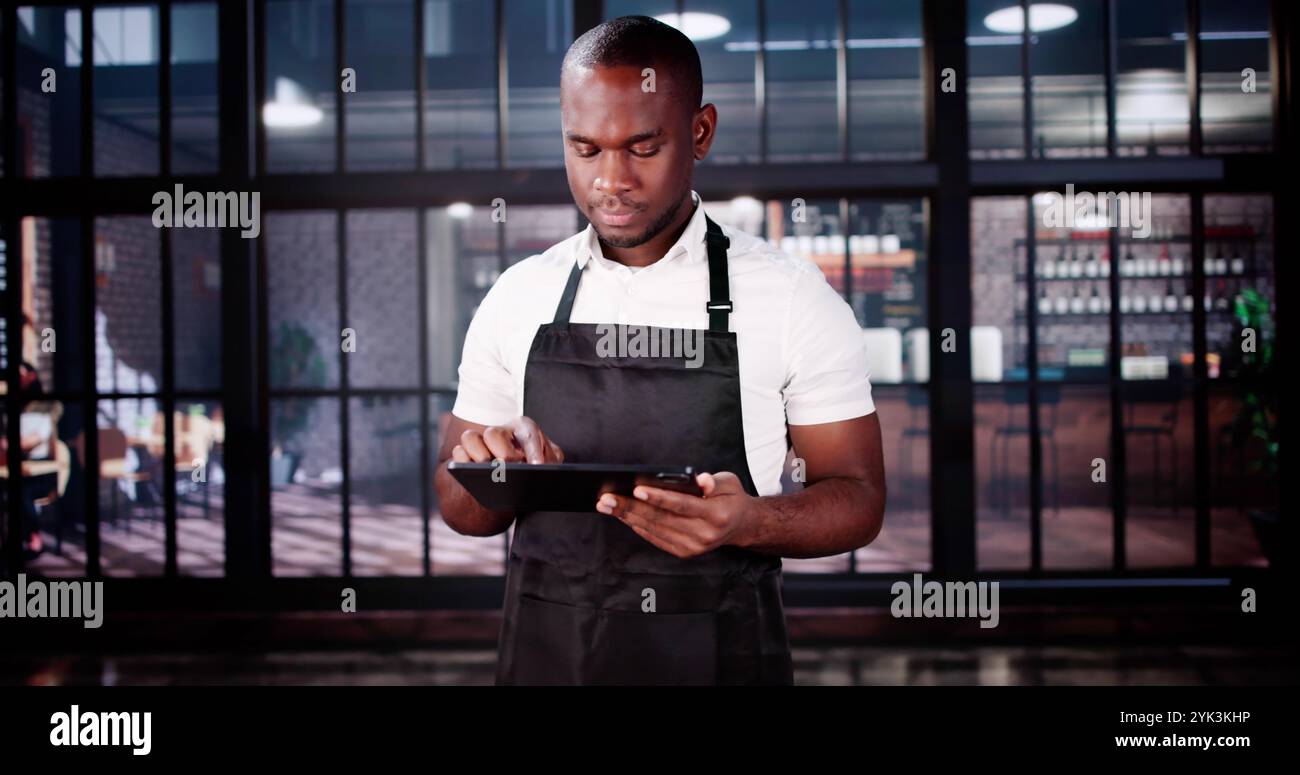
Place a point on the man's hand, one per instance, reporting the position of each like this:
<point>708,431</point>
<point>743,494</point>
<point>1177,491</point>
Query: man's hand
<point>685,525</point>
<point>518,441</point>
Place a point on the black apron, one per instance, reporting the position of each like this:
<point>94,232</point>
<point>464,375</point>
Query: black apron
<point>580,586</point>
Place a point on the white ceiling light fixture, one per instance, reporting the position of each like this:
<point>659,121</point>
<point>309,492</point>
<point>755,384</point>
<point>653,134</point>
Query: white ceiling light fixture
<point>460,210</point>
<point>291,108</point>
<point>696,25</point>
<point>1042,17</point>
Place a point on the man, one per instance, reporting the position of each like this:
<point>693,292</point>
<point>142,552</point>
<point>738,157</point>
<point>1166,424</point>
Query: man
<point>661,587</point>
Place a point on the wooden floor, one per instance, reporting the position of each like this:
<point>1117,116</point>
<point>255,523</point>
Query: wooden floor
<point>387,541</point>
<point>862,666</point>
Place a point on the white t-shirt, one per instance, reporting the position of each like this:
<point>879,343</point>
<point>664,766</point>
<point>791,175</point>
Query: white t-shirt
<point>803,357</point>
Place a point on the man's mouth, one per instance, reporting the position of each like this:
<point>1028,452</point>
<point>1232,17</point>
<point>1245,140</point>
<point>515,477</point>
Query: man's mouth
<point>617,217</point>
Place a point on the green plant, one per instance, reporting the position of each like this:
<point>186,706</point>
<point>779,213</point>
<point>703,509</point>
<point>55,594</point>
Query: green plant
<point>295,361</point>
<point>1253,367</point>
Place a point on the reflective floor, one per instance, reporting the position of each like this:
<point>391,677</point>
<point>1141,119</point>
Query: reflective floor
<point>863,666</point>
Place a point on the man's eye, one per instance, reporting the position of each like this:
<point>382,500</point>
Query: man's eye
<point>584,151</point>
<point>644,152</point>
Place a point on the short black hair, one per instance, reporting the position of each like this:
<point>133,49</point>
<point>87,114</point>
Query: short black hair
<point>640,41</point>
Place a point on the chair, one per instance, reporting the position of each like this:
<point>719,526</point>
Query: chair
<point>1015,396</point>
<point>1164,396</point>
<point>113,469</point>
<point>62,459</point>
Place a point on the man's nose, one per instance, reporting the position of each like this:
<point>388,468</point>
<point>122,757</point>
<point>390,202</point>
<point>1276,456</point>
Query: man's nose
<point>615,175</point>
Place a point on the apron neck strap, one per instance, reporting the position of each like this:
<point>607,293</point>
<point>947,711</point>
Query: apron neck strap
<point>719,304</point>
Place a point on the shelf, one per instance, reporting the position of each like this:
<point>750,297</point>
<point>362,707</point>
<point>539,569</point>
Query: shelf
<point>1243,276</point>
<point>1102,238</point>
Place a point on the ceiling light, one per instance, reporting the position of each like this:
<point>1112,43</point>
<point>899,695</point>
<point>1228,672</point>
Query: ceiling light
<point>291,108</point>
<point>1042,17</point>
<point>696,25</point>
<point>460,210</point>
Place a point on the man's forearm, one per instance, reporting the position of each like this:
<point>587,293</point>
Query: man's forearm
<point>464,514</point>
<point>829,517</point>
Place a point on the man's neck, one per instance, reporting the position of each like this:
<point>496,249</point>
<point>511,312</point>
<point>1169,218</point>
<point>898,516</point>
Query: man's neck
<point>653,249</point>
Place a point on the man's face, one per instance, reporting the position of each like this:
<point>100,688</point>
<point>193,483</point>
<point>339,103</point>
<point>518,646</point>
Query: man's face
<point>628,152</point>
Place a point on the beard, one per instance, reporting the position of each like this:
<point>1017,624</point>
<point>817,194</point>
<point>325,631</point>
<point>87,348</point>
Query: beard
<point>656,226</point>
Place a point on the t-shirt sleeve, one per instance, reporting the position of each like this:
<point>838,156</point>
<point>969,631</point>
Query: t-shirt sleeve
<point>486,392</point>
<point>827,377</point>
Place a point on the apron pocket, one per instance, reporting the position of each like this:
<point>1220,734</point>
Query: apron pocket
<point>631,647</point>
<point>563,644</point>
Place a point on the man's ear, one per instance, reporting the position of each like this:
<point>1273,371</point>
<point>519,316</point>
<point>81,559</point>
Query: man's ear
<point>703,128</point>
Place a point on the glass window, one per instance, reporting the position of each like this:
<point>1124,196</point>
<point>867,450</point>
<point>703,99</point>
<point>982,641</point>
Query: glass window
<point>128,304</point>
<point>462,247</point>
<point>54,490</point>
<point>538,33</point>
<point>306,474</point>
<point>386,513</point>
<point>1078,516</point>
<point>195,126</point>
<point>1240,309</point>
<point>1156,397</point>
<point>1151,85</point>
<point>728,62</point>
<point>802,113</point>
<point>996,83</point>
<point>383,298</point>
<point>380,114</point>
<point>126,91</point>
<point>132,528</point>
<point>303,301</point>
<point>200,482</point>
<point>460,101</point>
<point>1072,266</point>
<point>1067,72</point>
<point>54,341</point>
<point>301,86</point>
<point>1236,83</point>
<point>196,308</point>
<point>886,114</point>
<point>1238,266</point>
<point>49,91</point>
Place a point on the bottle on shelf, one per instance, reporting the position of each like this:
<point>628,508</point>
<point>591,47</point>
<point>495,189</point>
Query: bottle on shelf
<point>1044,302</point>
<point>1155,301</point>
<point>1047,268</point>
<point>1139,302</point>
<point>1076,266</point>
<point>1090,265</point>
<point>1149,265</point>
<point>1062,263</point>
<point>1164,265</point>
<point>1221,300</point>
<point>1130,266</point>
<point>1061,304</point>
<point>1094,300</point>
<point>1105,261</point>
<point>1237,264</point>
<point>1187,296</point>
<point>1077,302</point>
<point>1220,263</point>
<point>1171,301</point>
<point>1125,302</point>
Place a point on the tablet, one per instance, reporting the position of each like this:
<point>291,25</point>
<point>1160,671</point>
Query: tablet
<point>563,486</point>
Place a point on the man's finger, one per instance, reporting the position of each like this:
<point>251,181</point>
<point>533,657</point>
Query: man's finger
<point>502,444</point>
<point>670,500</point>
<point>474,446</point>
<point>459,454</point>
<point>530,438</point>
<point>659,534</point>
<point>651,518</point>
